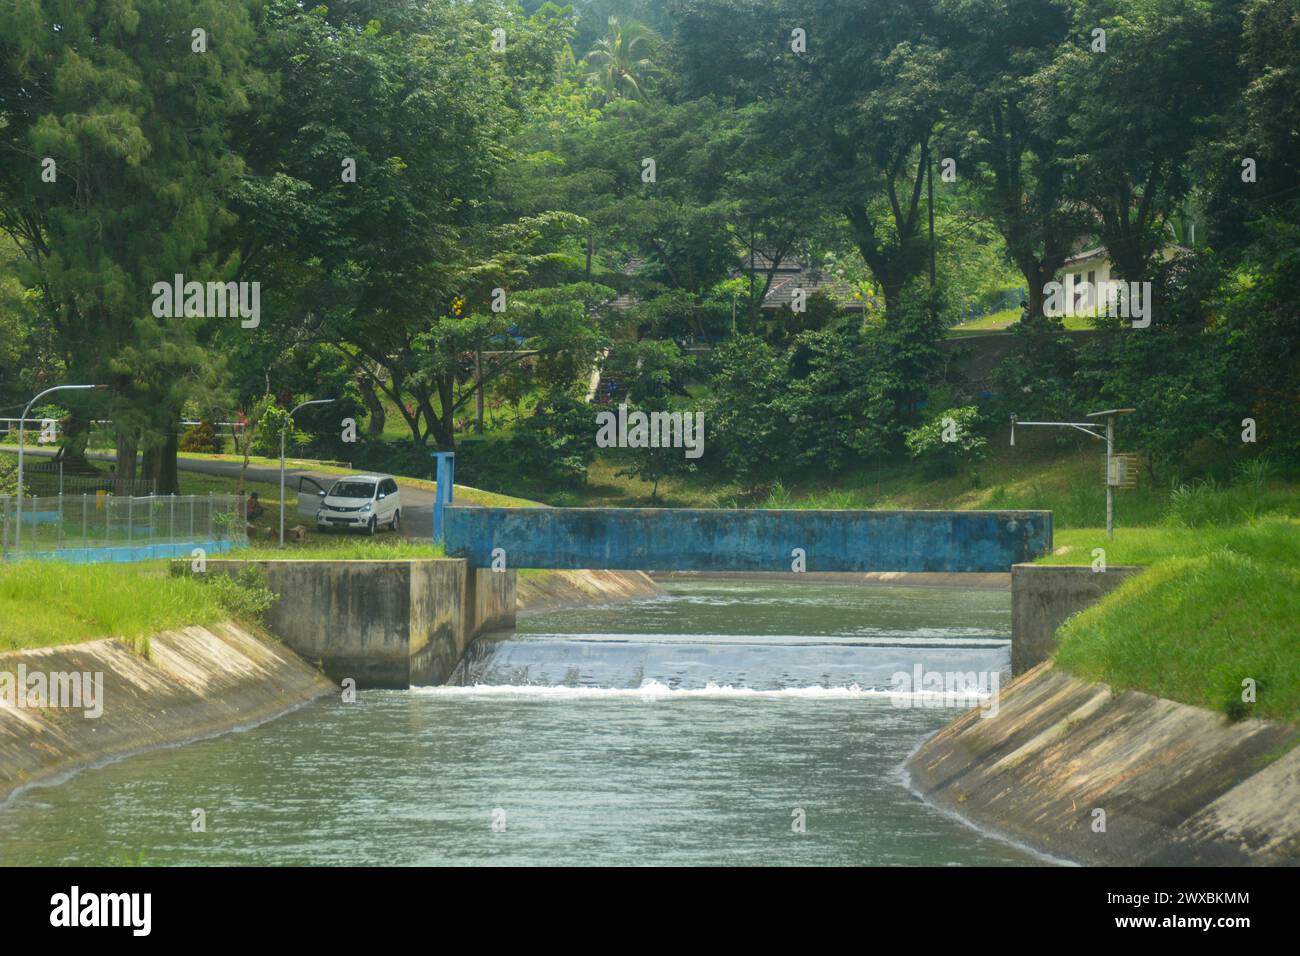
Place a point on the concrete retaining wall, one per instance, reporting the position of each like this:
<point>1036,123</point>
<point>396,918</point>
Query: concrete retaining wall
<point>1178,785</point>
<point>491,600</point>
<point>383,623</point>
<point>692,539</point>
<point>1044,596</point>
<point>195,683</point>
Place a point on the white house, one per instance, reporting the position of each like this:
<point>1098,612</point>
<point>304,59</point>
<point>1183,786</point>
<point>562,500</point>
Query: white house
<point>1085,277</point>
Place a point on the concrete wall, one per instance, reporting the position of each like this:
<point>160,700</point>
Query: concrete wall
<point>382,623</point>
<point>690,539</point>
<point>436,630</point>
<point>491,600</point>
<point>1179,785</point>
<point>1044,596</point>
<point>195,683</point>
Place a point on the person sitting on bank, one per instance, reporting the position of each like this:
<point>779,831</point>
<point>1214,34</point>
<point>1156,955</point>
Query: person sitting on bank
<point>253,507</point>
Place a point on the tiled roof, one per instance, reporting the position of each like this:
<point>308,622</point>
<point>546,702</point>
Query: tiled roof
<point>781,292</point>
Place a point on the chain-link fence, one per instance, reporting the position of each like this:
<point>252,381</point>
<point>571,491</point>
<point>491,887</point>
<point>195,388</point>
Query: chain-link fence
<point>104,527</point>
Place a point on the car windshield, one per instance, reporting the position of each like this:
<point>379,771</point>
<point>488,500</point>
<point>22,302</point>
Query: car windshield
<point>353,489</point>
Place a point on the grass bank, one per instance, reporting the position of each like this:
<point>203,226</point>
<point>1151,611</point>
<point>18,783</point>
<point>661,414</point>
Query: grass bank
<point>46,603</point>
<point>1218,606</point>
<point>336,549</point>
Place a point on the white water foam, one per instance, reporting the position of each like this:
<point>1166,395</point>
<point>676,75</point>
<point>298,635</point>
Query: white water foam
<point>653,690</point>
<point>867,637</point>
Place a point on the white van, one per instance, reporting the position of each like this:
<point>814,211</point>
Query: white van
<point>369,502</point>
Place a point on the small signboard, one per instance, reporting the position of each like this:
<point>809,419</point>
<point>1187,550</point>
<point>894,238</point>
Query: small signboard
<point>1123,470</point>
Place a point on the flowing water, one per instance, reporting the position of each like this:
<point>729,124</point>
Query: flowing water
<point>727,722</point>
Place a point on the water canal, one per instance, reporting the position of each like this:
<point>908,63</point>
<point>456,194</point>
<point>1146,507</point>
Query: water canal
<point>709,726</point>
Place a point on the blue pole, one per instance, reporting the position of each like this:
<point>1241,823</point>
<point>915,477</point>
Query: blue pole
<point>445,479</point>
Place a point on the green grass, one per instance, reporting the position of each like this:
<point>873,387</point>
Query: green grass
<point>1041,472</point>
<point>335,549</point>
<point>1271,539</point>
<point>1001,321</point>
<point>1219,602</point>
<point>1212,610</point>
<point>48,603</point>
<point>993,322</point>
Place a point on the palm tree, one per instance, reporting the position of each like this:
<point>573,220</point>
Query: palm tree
<point>620,64</point>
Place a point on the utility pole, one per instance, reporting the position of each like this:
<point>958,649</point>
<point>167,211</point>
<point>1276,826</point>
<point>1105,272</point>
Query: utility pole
<point>1091,428</point>
<point>929,179</point>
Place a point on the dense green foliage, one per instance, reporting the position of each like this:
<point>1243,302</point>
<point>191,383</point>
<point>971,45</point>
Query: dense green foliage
<point>454,205</point>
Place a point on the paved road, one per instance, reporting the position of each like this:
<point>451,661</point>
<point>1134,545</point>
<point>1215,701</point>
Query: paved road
<point>417,503</point>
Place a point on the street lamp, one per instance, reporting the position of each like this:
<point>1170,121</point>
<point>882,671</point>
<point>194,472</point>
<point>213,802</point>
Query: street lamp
<point>22,431</point>
<point>284,428</point>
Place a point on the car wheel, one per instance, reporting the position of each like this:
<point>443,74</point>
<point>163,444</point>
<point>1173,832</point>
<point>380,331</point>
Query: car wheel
<point>397,519</point>
<point>370,528</point>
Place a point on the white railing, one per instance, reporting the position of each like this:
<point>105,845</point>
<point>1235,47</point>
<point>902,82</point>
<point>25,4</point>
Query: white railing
<point>107,527</point>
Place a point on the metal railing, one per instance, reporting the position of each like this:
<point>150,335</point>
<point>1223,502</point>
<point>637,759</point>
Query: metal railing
<point>104,527</point>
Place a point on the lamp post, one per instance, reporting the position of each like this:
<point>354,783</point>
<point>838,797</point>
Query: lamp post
<point>22,432</point>
<point>284,428</point>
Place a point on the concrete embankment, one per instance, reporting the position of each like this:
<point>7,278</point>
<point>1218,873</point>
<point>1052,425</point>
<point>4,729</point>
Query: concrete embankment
<point>545,590</point>
<point>195,683</point>
<point>1080,771</point>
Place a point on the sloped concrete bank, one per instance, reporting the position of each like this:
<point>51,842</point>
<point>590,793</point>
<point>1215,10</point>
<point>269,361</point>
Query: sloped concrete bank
<point>1177,784</point>
<point>545,590</point>
<point>196,683</point>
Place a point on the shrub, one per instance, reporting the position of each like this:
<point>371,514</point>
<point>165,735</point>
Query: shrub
<point>8,475</point>
<point>246,596</point>
<point>202,438</point>
<point>948,439</point>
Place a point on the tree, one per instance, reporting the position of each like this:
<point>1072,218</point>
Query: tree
<point>117,176</point>
<point>948,438</point>
<point>855,108</point>
<point>1008,127</point>
<point>1135,111</point>
<point>620,64</point>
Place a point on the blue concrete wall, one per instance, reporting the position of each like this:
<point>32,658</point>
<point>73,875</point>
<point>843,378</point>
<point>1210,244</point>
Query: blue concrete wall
<point>734,540</point>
